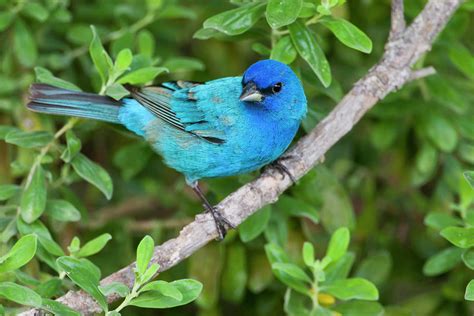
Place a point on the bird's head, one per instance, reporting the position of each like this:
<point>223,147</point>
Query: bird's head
<point>272,85</point>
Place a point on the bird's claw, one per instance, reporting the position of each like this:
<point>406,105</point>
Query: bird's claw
<point>282,168</point>
<point>222,223</point>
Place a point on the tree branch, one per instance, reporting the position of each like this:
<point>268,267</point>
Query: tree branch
<point>391,73</point>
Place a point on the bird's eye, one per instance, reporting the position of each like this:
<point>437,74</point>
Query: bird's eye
<point>277,87</point>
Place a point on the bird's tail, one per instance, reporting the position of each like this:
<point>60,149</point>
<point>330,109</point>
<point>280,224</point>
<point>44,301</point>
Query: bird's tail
<point>52,100</point>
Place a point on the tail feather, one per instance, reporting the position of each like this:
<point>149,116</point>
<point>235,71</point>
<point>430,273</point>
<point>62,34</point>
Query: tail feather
<point>52,100</point>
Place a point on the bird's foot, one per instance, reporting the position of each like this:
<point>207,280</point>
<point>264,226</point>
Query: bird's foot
<point>282,168</point>
<point>222,224</point>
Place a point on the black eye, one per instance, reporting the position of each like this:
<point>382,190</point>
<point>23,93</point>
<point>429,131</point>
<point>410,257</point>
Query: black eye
<point>277,87</point>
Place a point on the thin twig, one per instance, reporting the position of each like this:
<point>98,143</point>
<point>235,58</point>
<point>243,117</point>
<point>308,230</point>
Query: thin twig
<point>421,73</point>
<point>392,72</point>
<point>397,20</point>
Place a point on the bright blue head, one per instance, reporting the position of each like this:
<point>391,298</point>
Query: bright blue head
<point>273,86</point>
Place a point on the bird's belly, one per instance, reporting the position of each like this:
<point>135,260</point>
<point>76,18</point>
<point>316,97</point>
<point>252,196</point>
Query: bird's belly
<point>244,152</point>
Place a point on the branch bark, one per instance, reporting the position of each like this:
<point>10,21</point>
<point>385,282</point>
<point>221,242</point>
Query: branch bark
<point>389,74</point>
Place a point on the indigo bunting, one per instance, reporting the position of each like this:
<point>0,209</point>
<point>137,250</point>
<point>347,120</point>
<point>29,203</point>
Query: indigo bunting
<point>218,128</point>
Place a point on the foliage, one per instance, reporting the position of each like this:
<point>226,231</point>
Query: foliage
<point>315,294</point>
<point>401,182</point>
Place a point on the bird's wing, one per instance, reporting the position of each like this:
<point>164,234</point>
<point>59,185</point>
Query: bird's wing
<point>175,104</point>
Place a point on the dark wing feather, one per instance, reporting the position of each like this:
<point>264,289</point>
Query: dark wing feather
<point>157,100</point>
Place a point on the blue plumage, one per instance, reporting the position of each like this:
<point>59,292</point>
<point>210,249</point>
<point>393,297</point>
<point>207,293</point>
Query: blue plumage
<point>219,128</point>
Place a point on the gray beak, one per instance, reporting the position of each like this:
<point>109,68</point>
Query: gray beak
<point>250,93</point>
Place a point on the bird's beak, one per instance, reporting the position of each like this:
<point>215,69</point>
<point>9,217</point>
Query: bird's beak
<point>250,93</point>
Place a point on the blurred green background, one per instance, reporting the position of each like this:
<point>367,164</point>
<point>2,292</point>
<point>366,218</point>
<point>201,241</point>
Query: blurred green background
<point>396,180</point>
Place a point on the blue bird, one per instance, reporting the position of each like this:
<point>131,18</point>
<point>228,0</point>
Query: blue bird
<point>220,128</point>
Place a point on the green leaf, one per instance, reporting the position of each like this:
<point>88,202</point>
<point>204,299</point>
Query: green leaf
<point>338,244</point>
<point>115,287</point>
<point>19,294</point>
<point>348,34</point>
<point>29,139</point>
<point>297,304</point>
<point>443,261</point>
<point>308,254</point>
<point>73,146</point>
<point>426,158</point>
<point>6,17</point>
<point>469,176</point>
<point>375,268</point>
<point>51,246</point>
<point>37,227</point>
<point>277,255</point>
<point>124,60</point>
<point>442,133</point>
<point>443,92</point>
<point>24,44</point>
<point>57,308</point>
<point>236,21</point>
<point>153,5</point>
<point>93,173</point>
<point>340,269</point>
<point>355,288</point>
<point>5,130</point>
<point>212,258</point>
<point>438,220</point>
<point>150,272</point>
<point>116,91</point>
<point>253,226</point>
<point>94,246</point>
<point>359,308</point>
<point>284,51</point>
<point>459,236</point>
<point>36,11</point>
<point>309,50</point>
<point>466,194</point>
<point>144,254</point>
<point>234,274</point>
<point>50,288</point>
<point>260,49</point>
<point>260,274</point>
<point>62,211</point>
<point>20,254</point>
<point>132,158</point>
<point>45,76</point>
<point>8,190</point>
<point>171,11</point>
<point>33,199</point>
<point>204,34</point>
<point>175,64</point>
<point>164,288</point>
<point>81,274</point>
<point>189,289</point>
<point>142,75</point>
<point>146,43</point>
<point>308,10</point>
<point>468,258</point>
<point>282,12</point>
<point>75,245</point>
<point>292,270</point>
<point>469,294</point>
<point>99,56</point>
<point>463,59</point>
<point>297,207</point>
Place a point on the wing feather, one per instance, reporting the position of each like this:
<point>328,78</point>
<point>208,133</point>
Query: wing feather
<point>190,119</point>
